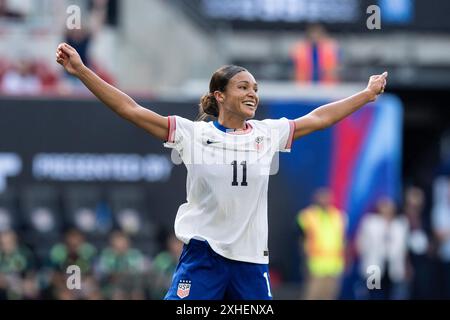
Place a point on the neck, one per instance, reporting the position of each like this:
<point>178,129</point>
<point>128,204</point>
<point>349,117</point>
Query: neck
<point>231,122</point>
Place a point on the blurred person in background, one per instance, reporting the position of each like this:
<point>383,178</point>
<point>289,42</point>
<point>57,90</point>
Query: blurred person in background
<point>21,78</point>
<point>81,39</point>
<point>382,241</point>
<point>164,265</point>
<point>323,229</point>
<point>121,268</point>
<point>75,250</point>
<point>6,11</point>
<point>419,245</point>
<point>316,58</point>
<point>215,226</point>
<point>441,229</point>
<point>17,269</point>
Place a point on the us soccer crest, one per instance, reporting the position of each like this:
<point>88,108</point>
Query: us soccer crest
<point>184,286</point>
<point>259,143</point>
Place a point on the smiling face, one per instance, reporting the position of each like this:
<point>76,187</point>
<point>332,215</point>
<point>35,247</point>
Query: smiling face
<point>240,98</point>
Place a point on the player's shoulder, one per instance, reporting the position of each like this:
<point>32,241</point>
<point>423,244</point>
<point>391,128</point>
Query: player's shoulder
<point>184,122</point>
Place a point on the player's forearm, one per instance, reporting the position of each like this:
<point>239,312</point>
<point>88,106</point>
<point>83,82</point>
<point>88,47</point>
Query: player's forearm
<point>335,111</point>
<point>106,93</point>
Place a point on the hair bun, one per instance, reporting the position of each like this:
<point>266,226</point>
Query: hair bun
<point>208,105</point>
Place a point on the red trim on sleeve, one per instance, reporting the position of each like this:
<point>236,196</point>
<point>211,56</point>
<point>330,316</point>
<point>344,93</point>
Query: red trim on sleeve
<point>291,134</point>
<point>168,130</point>
<point>172,123</point>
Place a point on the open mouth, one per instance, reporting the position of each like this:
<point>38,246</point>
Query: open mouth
<point>250,104</point>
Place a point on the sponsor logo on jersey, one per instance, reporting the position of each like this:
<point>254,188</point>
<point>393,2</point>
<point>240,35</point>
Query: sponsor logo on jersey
<point>184,286</point>
<point>211,141</point>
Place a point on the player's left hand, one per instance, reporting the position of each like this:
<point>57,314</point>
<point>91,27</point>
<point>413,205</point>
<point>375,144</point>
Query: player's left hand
<point>377,84</point>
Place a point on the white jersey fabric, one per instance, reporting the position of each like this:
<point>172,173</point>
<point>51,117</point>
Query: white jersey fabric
<point>227,183</point>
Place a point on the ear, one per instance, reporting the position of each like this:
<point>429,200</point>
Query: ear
<point>219,96</point>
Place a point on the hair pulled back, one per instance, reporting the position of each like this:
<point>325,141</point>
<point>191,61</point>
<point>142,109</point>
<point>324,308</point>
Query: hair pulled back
<point>208,106</point>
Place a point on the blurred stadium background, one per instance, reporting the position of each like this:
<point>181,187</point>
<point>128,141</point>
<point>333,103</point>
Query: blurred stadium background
<point>80,186</point>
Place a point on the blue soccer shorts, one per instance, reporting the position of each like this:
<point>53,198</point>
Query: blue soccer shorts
<point>202,274</point>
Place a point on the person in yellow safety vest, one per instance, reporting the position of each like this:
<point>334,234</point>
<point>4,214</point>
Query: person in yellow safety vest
<point>323,229</point>
<point>317,58</point>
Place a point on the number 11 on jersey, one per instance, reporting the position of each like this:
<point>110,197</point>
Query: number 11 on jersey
<point>244,173</point>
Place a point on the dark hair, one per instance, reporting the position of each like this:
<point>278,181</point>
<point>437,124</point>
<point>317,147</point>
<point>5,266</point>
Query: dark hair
<point>208,106</point>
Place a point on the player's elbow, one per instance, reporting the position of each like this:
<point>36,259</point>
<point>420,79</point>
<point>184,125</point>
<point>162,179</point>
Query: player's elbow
<point>128,111</point>
<point>322,122</point>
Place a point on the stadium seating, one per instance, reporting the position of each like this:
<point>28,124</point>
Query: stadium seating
<point>130,210</point>
<point>9,219</point>
<point>85,210</point>
<point>42,221</point>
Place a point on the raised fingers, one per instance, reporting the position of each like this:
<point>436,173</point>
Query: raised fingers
<point>70,50</point>
<point>59,59</point>
<point>61,55</point>
<point>64,50</point>
<point>384,76</point>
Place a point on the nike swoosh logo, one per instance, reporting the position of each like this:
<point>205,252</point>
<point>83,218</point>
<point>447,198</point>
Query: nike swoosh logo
<point>210,142</point>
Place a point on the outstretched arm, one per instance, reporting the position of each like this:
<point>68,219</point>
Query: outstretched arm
<point>115,99</point>
<point>327,115</point>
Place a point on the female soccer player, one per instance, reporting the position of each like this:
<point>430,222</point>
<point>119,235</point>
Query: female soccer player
<point>223,224</point>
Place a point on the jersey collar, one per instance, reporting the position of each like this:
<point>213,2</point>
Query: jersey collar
<point>222,128</point>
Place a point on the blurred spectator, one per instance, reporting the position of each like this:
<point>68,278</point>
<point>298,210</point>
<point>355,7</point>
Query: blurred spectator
<point>382,242</point>
<point>17,269</point>
<point>81,39</point>
<point>21,79</point>
<point>441,228</point>
<point>4,66</point>
<point>6,11</point>
<point>317,57</point>
<point>163,267</point>
<point>47,77</point>
<point>323,227</point>
<point>419,246</point>
<point>121,269</point>
<point>75,250</point>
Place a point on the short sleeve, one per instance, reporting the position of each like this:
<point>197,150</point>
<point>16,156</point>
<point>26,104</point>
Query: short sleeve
<point>282,133</point>
<point>180,133</point>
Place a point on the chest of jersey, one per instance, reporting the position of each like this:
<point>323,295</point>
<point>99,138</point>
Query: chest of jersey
<point>231,163</point>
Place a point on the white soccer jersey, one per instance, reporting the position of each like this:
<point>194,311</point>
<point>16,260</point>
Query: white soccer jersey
<point>227,183</point>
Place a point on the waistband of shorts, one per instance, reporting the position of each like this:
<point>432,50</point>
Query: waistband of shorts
<point>198,243</point>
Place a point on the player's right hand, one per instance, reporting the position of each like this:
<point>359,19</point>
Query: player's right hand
<point>376,85</point>
<point>69,58</point>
